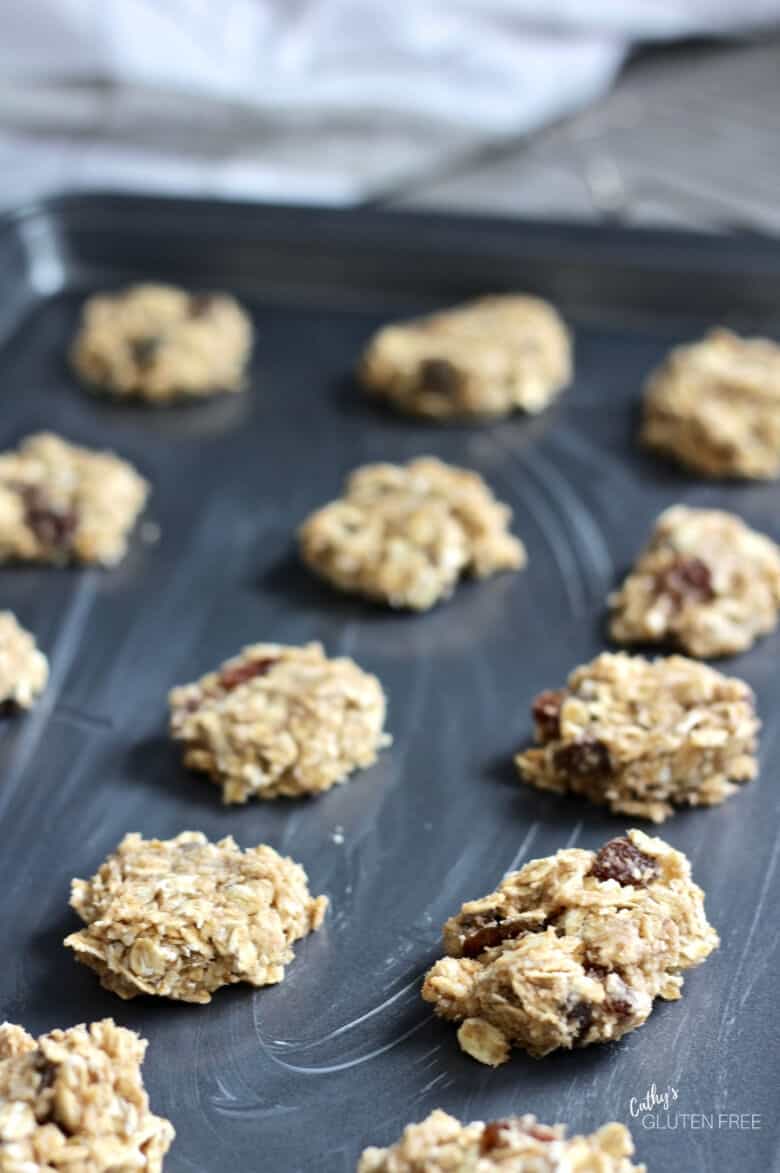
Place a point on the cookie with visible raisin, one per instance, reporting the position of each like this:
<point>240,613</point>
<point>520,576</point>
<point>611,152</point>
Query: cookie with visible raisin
<point>158,343</point>
<point>486,358</point>
<point>644,736</point>
<point>705,583</point>
<point>571,949</point>
<point>279,720</point>
<point>516,1144</point>
<point>74,1101</point>
<point>60,503</point>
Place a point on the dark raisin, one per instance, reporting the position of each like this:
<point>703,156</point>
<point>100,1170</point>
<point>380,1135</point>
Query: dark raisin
<point>144,350</point>
<point>546,713</point>
<point>231,677</point>
<point>46,1071</point>
<point>597,972</point>
<point>684,580</point>
<point>200,305</point>
<point>491,935</point>
<point>491,1136</point>
<point>581,1014</point>
<point>439,376</point>
<point>586,758</point>
<point>52,527</point>
<point>620,860</point>
<point>621,1006</point>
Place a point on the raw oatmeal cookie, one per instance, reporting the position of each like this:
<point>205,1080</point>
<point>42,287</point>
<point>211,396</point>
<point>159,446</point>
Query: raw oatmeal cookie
<point>715,406</point>
<point>24,670</point>
<point>279,720</point>
<point>158,343</point>
<point>517,1144</point>
<point>643,736</point>
<point>705,583</point>
<point>74,1100</point>
<point>571,950</point>
<point>60,503</point>
<point>485,358</point>
<point>181,917</point>
<point>404,534</point>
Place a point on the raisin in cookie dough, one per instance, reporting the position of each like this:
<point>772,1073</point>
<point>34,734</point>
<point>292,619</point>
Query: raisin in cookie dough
<point>705,583</point>
<point>571,950</point>
<point>24,670</point>
<point>714,405</point>
<point>279,720</point>
<point>485,358</point>
<point>61,503</point>
<point>179,918</point>
<point>158,343</point>
<point>644,736</point>
<point>74,1100</point>
<point>404,534</point>
<point>517,1144</point>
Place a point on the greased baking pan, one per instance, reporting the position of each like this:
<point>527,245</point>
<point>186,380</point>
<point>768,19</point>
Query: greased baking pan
<point>343,1053</point>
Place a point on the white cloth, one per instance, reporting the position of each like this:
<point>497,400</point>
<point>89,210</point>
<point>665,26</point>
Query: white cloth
<point>303,99</point>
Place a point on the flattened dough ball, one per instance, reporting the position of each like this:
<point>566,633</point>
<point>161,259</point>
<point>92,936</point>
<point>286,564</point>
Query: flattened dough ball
<point>485,358</point>
<point>60,503</point>
<point>714,405</point>
<point>280,720</point>
<point>514,1144</point>
<point>74,1100</point>
<point>644,736</point>
<point>24,670</point>
<point>404,534</point>
<point>570,950</point>
<point>159,343</point>
<point>705,582</point>
<point>179,918</point>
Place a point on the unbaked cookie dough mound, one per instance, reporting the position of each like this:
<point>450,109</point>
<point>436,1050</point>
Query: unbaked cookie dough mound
<point>405,534</point>
<point>714,405</point>
<point>516,1144</point>
<point>644,736</point>
<point>571,950</point>
<point>74,1100</point>
<point>485,358</point>
<point>179,918</point>
<point>705,583</point>
<point>60,503</point>
<point>24,670</point>
<point>280,720</point>
<point>158,343</point>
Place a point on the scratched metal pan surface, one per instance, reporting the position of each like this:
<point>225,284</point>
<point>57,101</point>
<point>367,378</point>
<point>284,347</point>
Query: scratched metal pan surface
<point>343,1053</point>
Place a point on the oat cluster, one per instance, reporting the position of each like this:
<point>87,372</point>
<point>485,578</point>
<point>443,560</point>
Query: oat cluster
<point>73,1100</point>
<point>706,583</point>
<point>60,503</point>
<point>405,534</point>
<point>485,358</point>
<point>24,670</point>
<point>644,736</point>
<point>571,950</point>
<point>714,405</point>
<point>159,343</point>
<point>517,1144</point>
<point>179,918</point>
<point>280,720</point>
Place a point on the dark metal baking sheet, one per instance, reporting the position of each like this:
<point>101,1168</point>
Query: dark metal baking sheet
<point>343,1053</point>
